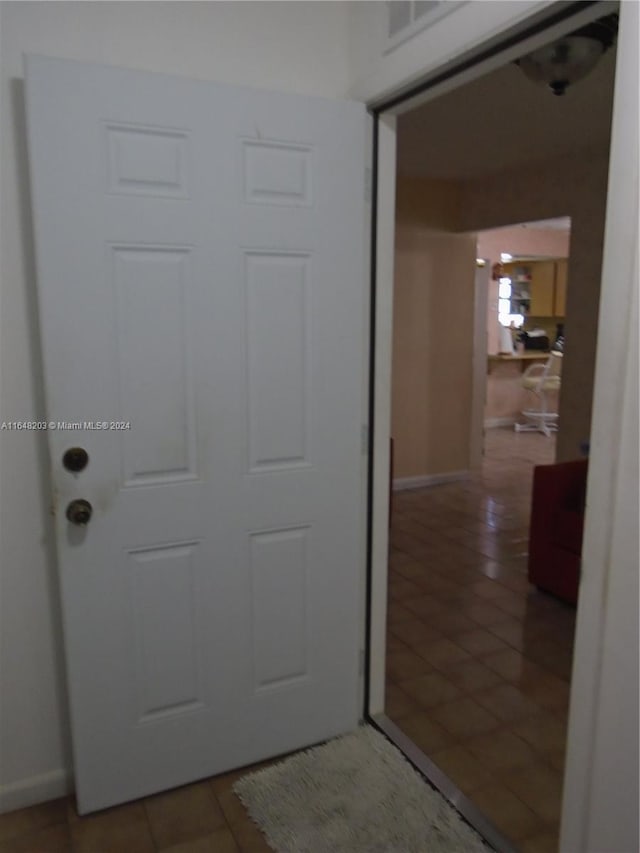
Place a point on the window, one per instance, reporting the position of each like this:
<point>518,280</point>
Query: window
<point>505,317</point>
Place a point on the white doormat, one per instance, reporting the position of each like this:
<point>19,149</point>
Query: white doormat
<point>354,794</point>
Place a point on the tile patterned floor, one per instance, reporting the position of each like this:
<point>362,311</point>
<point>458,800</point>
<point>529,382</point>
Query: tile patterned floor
<point>206,817</point>
<point>479,661</point>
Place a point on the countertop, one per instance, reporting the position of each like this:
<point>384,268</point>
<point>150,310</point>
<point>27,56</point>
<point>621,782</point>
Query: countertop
<point>530,355</point>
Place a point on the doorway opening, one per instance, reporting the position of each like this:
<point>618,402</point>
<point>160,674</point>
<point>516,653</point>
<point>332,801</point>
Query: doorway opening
<point>478,661</point>
<point>522,273</point>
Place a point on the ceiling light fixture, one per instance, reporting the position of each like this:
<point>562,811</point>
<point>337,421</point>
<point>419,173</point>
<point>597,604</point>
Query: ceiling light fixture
<point>572,57</point>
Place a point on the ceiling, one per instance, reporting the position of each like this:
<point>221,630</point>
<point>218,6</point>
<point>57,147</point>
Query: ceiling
<point>559,223</point>
<point>503,121</point>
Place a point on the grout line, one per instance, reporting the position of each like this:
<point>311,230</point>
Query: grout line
<point>224,814</point>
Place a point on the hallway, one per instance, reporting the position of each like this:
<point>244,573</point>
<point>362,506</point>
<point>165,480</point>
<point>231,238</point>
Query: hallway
<point>479,661</point>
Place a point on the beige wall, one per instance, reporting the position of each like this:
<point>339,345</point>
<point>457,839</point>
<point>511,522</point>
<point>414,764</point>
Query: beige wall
<point>433,334</point>
<point>428,204</point>
<point>576,187</point>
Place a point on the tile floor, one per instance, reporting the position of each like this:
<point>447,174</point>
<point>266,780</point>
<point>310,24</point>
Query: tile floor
<point>479,661</point>
<point>206,817</point>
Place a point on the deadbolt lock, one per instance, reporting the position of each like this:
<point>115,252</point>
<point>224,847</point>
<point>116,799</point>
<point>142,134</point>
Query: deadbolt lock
<point>75,459</point>
<point>79,512</point>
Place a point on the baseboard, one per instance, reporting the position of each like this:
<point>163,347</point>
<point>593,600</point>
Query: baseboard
<point>490,423</point>
<point>35,789</point>
<point>402,483</point>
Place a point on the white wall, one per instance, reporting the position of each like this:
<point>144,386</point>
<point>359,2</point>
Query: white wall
<point>288,46</point>
<point>615,755</point>
<point>600,809</point>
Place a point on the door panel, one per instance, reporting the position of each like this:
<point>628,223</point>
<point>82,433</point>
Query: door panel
<point>200,278</point>
<point>278,349</point>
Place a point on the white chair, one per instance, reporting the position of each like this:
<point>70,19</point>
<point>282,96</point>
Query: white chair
<point>541,380</point>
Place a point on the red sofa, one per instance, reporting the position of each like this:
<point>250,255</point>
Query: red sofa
<point>555,533</point>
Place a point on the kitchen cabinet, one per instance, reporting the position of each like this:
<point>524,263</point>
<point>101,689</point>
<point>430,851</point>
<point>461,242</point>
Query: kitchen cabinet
<point>560,297</point>
<point>538,288</point>
<point>543,279</point>
<point>520,276</point>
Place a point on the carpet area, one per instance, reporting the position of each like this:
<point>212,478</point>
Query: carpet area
<point>354,794</point>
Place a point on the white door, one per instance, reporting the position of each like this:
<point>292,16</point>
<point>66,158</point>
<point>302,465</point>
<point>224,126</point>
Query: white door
<point>201,285</point>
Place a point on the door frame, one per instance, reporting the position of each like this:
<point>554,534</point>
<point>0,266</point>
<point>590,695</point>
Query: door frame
<point>481,285</point>
<point>612,360</point>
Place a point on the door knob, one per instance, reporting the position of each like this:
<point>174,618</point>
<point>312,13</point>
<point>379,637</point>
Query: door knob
<point>75,459</point>
<point>79,511</point>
